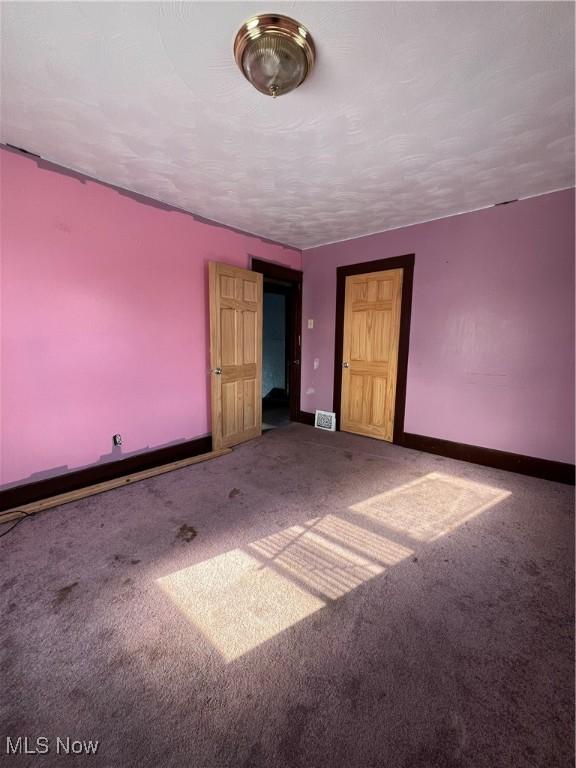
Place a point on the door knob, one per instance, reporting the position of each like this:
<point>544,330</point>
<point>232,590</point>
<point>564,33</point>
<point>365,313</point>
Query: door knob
<point>345,365</point>
<point>217,371</point>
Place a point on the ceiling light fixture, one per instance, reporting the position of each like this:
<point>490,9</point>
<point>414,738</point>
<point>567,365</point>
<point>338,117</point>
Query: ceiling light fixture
<point>275,53</point>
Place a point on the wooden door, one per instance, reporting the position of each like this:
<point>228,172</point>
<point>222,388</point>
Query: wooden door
<point>235,354</point>
<point>370,353</point>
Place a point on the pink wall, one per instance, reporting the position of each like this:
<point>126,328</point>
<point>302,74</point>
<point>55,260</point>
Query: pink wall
<point>491,359</point>
<point>104,319</point>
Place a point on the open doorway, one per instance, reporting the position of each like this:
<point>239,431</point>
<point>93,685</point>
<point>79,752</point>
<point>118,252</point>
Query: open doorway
<point>282,289</point>
<point>275,357</point>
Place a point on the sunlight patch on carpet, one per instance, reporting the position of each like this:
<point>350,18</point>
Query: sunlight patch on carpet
<point>329,555</point>
<point>431,506</point>
<point>244,597</point>
<point>236,603</point>
<point>240,599</point>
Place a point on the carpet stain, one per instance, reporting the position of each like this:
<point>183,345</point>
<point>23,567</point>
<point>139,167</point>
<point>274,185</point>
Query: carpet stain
<point>186,533</point>
<point>349,455</point>
<point>106,634</point>
<point>125,559</point>
<point>351,689</point>
<point>155,653</point>
<point>120,660</point>
<point>447,749</point>
<point>531,568</point>
<point>234,492</point>
<point>290,744</point>
<point>64,593</point>
<point>160,495</point>
<point>433,757</point>
<point>78,695</point>
<point>256,757</point>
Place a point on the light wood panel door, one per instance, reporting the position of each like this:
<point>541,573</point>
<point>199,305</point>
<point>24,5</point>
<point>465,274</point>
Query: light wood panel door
<point>235,354</point>
<point>370,353</point>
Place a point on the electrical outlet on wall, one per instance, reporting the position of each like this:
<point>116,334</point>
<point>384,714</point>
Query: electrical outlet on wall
<point>310,324</point>
<point>117,439</point>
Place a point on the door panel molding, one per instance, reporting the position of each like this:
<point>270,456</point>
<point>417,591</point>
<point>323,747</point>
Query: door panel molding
<point>406,263</point>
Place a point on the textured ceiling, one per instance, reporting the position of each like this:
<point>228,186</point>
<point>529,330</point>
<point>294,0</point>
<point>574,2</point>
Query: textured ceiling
<point>414,111</point>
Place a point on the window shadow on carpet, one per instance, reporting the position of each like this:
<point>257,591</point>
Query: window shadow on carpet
<point>246,596</point>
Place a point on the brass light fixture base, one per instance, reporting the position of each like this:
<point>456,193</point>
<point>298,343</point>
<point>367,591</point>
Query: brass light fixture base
<point>275,53</point>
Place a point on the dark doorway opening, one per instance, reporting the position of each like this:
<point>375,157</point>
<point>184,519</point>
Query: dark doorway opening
<point>275,357</point>
<point>282,313</point>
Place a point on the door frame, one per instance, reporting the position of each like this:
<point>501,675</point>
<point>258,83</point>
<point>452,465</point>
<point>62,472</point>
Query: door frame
<point>406,263</point>
<point>294,277</point>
